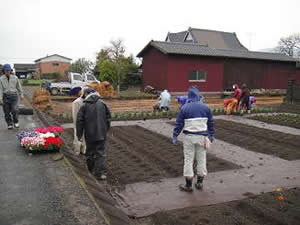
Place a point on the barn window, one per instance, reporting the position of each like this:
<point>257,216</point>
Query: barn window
<point>55,64</point>
<point>197,75</point>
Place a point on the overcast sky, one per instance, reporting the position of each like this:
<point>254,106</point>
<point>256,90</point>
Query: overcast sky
<point>30,29</point>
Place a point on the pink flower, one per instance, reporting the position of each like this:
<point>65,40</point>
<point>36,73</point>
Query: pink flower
<point>52,129</point>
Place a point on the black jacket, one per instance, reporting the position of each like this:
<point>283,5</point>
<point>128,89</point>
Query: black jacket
<point>93,119</point>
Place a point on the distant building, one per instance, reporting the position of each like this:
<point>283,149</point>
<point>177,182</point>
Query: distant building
<point>24,70</point>
<point>213,61</point>
<point>52,64</point>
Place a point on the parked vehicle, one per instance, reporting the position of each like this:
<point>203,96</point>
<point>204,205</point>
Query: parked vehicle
<point>75,80</point>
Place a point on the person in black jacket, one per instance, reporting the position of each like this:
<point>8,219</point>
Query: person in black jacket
<point>245,99</point>
<point>93,121</point>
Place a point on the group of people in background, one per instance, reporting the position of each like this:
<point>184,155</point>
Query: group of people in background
<point>241,101</point>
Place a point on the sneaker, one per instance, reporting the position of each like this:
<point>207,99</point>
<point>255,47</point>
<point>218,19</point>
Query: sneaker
<point>199,186</point>
<point>16,125</point>
<point>102,177</point>
<point>10,127</point>
<point>185,188</point>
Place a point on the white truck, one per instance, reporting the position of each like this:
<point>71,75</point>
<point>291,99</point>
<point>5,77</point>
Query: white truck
<point>76,80</point>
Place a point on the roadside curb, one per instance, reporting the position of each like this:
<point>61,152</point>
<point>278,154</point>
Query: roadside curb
<point>83,185</point>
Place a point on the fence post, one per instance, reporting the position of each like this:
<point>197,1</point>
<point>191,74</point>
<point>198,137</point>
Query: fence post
<point>289,91</point>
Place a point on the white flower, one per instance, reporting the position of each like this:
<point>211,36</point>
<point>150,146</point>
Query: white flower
<point>46,135</point>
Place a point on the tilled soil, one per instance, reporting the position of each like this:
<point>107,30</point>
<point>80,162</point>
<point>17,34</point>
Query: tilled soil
<point>265,209</point>
<point>136,154</point>
<point>285,146</point>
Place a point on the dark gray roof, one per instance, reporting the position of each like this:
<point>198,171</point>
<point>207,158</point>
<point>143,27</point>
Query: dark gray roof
<point>50,56</point>
<point>24,67</point>
<point>216,39</point>
<point>210,38</point>
<point>201,50</point>
<point>177,37</point>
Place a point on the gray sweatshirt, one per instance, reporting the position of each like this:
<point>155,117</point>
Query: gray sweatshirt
<point>12,86</point>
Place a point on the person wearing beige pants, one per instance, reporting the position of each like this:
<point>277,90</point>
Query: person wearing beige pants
<point>194,149</point>
<point>196,121</point>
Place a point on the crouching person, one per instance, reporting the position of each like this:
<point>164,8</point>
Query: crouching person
<point>93,120</point>
<point>196,121</point>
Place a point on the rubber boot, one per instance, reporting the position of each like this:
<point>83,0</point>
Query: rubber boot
<point>199,183</point>
<point>187,186</point>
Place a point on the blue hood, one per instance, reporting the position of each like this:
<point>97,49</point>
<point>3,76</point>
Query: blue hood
<point>194,95</point>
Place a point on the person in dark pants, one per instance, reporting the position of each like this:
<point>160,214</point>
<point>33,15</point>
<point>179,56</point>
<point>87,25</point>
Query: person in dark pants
<point>245,99</point>
<point>10,90</point>
<point>93,121</point>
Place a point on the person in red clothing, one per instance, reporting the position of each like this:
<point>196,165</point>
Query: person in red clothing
<point>231,105</point>
<point>237,92</point>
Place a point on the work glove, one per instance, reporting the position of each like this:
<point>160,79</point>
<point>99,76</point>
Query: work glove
<point>174,140</point>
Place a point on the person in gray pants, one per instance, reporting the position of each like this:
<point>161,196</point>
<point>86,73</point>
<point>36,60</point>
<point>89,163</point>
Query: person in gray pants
<point>10,90</point>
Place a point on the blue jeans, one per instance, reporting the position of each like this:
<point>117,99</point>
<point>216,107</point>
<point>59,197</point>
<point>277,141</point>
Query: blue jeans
<point>10,108</point>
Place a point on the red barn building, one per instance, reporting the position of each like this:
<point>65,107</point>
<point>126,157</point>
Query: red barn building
<point>213,61</point>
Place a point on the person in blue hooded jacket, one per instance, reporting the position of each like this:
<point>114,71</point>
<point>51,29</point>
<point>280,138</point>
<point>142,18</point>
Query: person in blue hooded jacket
<point>196,121</point>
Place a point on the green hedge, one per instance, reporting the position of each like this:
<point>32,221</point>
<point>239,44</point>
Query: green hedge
<point>29,82</point>
<point>50,76</point>
<point>143,115</point>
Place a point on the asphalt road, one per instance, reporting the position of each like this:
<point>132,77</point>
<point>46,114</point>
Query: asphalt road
<point>37,190</point>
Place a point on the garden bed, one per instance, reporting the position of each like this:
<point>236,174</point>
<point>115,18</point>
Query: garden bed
<point>136,154</point>
<point>265,209</point>
<point>285,146</point>
<point>282,145</point>
<point>128,145</point>
<point>280,119</point>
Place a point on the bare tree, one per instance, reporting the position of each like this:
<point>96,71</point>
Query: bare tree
<point>81,65</point>
<point>117,48</point>
<point>290,45</point>
<point>112,63</point>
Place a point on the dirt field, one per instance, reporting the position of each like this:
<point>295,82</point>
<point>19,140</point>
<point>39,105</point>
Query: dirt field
<point>285,146</point>
<point>147,104</point>
<point>264,209</point>
<point>137,154</point>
